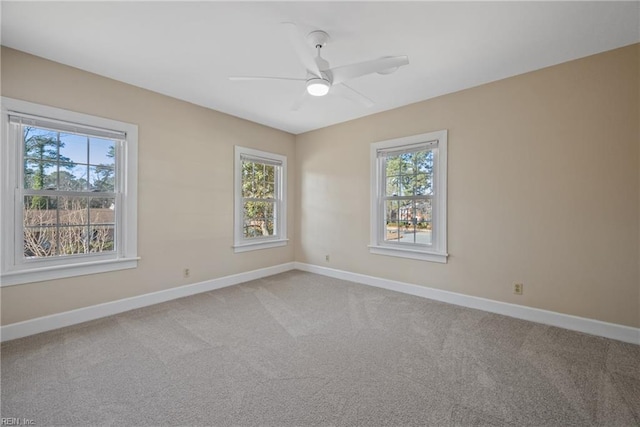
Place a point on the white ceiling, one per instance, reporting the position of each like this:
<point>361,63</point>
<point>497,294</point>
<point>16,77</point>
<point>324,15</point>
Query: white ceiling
<point>188,50</point>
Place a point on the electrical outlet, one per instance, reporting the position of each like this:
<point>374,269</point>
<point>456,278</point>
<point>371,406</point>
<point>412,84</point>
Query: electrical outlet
<point>186,272</point>
<point>518,288</point>
<point>326,257</point>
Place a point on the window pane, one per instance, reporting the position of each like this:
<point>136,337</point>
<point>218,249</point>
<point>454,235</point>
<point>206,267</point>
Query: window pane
<point>40,144</point>
<point>424,161</point>
<point>258,180</point>
<point>39,221</point>
<point>269,190</point>
<point>391,221</point>
<point>67,181</point>
<point>393,186</point>
<point>102,224</point>
<point>72,240</point>
<point>393,166</point>
<point>39,210</point>
<point>102,238</point>
<point>73,221</point>
<point>258,219</point>
<point>40,242</point>
<point>406,185</point>
<point>73,148</point>
<point>248,179</point>
<point>269,181</point>
<point>73,211</point>
<point>405,220</point>
<point>408,163</point>
<point>104,203</point>
<point>73,177</point>
<point>101,178</point>
<point>39,175</point>
<point>424,221</point>
<point>102,152</point>
<point>422,184</point>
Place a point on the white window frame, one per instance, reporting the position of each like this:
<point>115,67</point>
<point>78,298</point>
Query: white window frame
<point>242,244</point>
<point>15,269</point>
<point>437,251</point>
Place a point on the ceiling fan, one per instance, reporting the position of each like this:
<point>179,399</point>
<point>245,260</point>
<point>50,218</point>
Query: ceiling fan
<point>321,79</point>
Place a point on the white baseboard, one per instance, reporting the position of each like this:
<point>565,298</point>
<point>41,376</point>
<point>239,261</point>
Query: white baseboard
<point>566,321</point>
<point>68,318</point>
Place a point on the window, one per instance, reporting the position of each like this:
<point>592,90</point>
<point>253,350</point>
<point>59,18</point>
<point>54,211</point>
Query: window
<point>260,200</point>
<point>409,197</point>
<point>69,193</point>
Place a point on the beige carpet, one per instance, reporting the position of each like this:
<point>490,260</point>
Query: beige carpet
<point>300,349</point>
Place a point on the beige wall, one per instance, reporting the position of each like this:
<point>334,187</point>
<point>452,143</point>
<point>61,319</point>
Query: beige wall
<point>543,189</point>
<point>185,205</point>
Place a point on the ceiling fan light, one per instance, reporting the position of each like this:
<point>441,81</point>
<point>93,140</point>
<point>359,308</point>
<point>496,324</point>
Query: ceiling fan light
<point>318,87</point>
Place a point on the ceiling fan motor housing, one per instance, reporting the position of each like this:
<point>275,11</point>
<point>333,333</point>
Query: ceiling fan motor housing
<point>318,38</point>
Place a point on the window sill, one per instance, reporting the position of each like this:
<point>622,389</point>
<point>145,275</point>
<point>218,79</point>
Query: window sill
<point>410,253</point>
<point>69,270</point>
<point>254,246</point>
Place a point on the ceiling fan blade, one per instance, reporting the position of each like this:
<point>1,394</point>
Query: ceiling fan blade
<point>252,78</point>
<point>302,48</point>
<point>352,94</point>
<point>299,101</point>
<point>348,72</point>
